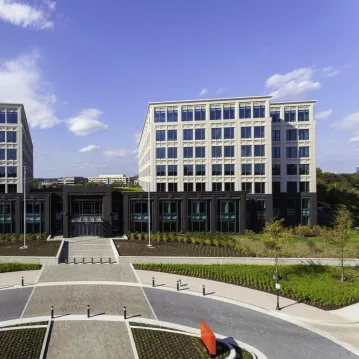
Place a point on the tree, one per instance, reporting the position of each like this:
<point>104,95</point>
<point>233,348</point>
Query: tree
<point>275,237</point>
<point>341,232</point>
<point>35,184</point>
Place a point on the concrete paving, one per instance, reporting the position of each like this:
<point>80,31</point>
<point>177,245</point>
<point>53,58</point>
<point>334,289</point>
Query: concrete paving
<point>276,338</point>
<point>89,340</point>
<point>88,272</point>
<point>12,302</point>
<point>103,299</point>
<point>14,278</point>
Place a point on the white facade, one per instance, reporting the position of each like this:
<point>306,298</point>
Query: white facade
<point>110,179</point>
<point>16,149</point>
<point>229,119</point>
<point>70,180</point>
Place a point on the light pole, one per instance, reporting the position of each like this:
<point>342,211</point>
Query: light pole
<point>24,246</point>
<point>149,216</point>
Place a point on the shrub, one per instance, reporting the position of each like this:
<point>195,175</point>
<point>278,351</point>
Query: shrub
<point>13,237</point>
<point>311,245</point>
<point>38,236</point>
<point>141,236</point>
<point>249,233</point>
<point>131,235</point>
<point>30,236</point>
<point>7,236</point>
<point>45,235</point>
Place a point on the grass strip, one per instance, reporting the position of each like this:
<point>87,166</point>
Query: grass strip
<point>311,284</point>
<point>25,325</point>
<point>16,267</point>
<point>143,325</point>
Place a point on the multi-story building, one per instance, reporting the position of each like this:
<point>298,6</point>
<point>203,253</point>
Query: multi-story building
<point>71,181</point>
<point>250,144</point>
<point>357,169</point>
<point>16,149</point>
<point>110,179</point>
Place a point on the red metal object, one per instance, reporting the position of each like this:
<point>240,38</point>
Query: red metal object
<point>208,338</point>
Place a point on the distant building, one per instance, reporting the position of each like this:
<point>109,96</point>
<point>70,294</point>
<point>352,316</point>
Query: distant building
<point>110,179</point>
<point>47,182</point>
<point>70,181</point>
<point>357,169</point>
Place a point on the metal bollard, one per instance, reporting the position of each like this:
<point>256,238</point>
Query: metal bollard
<point>101,260</point>
<point>153,281</point>
<point>109,260</point>
<point>177,285</point>
<point>52,312</point>
<point>91,260</point>
<point>83,260</point>
<point>204,289</point>
<point>180,282</point>
<point>124,313</point>
<point>88,311</point>
<point>22,281</point>
<point>74,260</point>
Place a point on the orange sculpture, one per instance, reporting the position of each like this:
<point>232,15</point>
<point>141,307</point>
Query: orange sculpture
<point>208,338</point>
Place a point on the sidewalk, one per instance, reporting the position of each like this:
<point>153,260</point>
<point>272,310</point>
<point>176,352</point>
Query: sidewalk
<point>14,278</point>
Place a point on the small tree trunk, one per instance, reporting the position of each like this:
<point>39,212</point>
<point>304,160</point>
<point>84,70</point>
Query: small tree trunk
<point>276,265</point>
<point>342,263</point>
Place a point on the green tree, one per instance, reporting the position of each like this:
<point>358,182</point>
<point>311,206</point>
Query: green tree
<point>35,184</point>
<point>341,232</point>
<point>275,237</point>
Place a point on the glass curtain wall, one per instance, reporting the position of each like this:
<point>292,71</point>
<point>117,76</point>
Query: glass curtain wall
<point>169,211</point>
<point>198,216</point>
<point>139,216</point>
<point>228,216</point>
<point>7,217</point>
<point>35,217</point>
<point>306,211</point>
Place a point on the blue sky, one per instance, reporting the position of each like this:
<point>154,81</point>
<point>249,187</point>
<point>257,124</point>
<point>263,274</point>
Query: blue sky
<point>86,70</point>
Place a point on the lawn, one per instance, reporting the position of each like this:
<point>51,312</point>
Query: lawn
<point>34,248</point>
<point>312,284</point>
<point>16,267</point>
<point>21,343</point>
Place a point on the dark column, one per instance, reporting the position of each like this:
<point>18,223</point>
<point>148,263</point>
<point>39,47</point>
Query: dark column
<point>155,218</point>
<point>242,214</point>
<point>19,217</point>
<point>269,209</point>
<point>213,204</point>
<point>313,210</point>
<point>125,213</point>
<point>184,213</point>
<point>66,215</point>
<point>47,215</point>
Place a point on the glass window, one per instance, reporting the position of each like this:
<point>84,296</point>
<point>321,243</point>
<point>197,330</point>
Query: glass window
<point>187,135</point>
<point>229,169</point>
<point>291,135</point>
<point>304,187</point>
<point>228,112</point>
<point>200,187</point>
<point>228,133</point>
<point>12,154</point>
<point>291,169</point>
<point>229,187</point>
<point>216,170</point>
<point>228,151</point>
<point>171,135</point>
<point>187,152</point>
<point>2,115</point>
<point>291,152</point>
<point>160,115</point>
<point>188,170</point>
<point>275,135</point>
<point>216,133</point>
<point>187,113</point>
<point>216,151</point>
<point>2,136</point>
<point>161,170</point>
<point>247,186</point>
<point>289,115</point>
<point>160,135</point>
<point>275,188</point>
<point>2,171</point>
<point>11,136</point>
<point>258,111</point>
<point>303,115</point>
<point>246,151</point>
<point>172,115</point>
<point>304,169</point>
<point>161,187</point>
<point>259,187</point>
<point>246,132</point>
<point>304,151</point>
<point>200,134</point>
<point>188,187</point>
<point>2,154</point>
<point>200,152</point>
<point>200,170</point>
<point>12,116</point>
<point>172,187</point>
<point>303,134</point>
<point>258,131</point>
<point>216,112</point>
<point>275,152</point>
<point>245,110</point>
<point>216,187</point>
<point>275,114</point>
<point>259,151</point>
<point>259,169</point>
<point>291,187</point>
<point>246,169</point>
<point>276,169</point>
<point>172,170</point>
<point>200,113</point>
<point>172,152</point>
<point>160,153</point>
<point>12,171</point>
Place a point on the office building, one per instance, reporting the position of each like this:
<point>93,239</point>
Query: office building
<point>357,169</point>
<point>110,179</point>
<point>71,181</point>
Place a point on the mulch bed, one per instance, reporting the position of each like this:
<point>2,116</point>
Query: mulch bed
<point>21,343</point>
<point>34,248</point>
<point>172,249</point>
<point>26,324</point>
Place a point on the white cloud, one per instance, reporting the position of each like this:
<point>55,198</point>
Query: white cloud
<point>120,152</point>
<point>51,5</point>
<point>220,91</point>
<point>203,92</point>
<point>296,82</point>
<point>89,148</point>
<point>21,81</point>
<point>24,15</point>
<point>331,71</point>
<point>354,139</point>
<point>324,114</point>
<point>86,123</point>
<point>350,122</point>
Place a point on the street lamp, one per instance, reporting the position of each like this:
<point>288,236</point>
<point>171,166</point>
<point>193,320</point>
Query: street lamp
<point>24,246</point>
<point>149,245</point>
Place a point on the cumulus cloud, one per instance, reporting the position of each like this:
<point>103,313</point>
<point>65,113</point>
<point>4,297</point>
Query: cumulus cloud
<point>330,71</point>
<point>119,152</point>
<point>203,92</point>
<point>86,123</point>
<point>350,122</point>
<point>354,139</point>
<point>89,148</point>
<point>220,91</point>
<point>297,82</point>
<point>21,81</point>
<point>324,114</point>
<point>24,15</point>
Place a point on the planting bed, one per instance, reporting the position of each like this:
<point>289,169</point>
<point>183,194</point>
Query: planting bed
<point>16,267</point>
<point>21,343</point>
<point>34,248</point>
<point>174,249</point>
<point>311,284</point>
<point>26,324</point>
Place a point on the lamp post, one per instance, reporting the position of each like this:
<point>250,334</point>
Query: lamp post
<point>24,246</point>
<point>149,245</point>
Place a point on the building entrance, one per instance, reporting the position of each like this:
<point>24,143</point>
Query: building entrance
<point>86,229</point>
